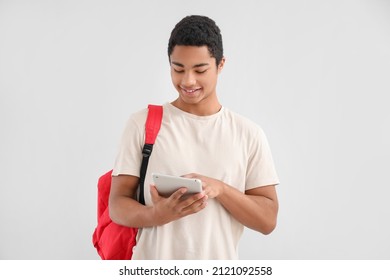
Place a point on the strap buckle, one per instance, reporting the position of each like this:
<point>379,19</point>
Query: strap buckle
<point>147,150</point>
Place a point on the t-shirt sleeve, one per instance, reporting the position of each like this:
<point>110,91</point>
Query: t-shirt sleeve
<point>129,157</point>
<point>261,169</point>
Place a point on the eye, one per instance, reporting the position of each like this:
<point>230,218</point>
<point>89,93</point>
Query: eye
<point>178,71</point>
<point>201,72</point>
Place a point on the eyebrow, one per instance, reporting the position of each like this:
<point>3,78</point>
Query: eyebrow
<point>195,66</point>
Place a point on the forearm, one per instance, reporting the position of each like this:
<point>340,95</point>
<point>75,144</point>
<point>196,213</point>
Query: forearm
<point>254,211</point>
<point>128,212</point>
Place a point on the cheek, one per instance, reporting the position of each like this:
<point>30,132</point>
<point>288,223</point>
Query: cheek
<point>209,81</point>
<point>175,79</point>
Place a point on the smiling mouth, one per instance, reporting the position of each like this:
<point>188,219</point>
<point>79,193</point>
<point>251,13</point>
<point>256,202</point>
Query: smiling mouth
<point>190,91</point>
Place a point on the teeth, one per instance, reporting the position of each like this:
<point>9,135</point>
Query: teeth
<point>190,90</point>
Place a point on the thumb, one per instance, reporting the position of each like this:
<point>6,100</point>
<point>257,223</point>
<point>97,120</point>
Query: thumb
<point>154,193</point>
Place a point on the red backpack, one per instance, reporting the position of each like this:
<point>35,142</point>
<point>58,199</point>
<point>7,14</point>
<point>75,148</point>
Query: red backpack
<point>113,241</point>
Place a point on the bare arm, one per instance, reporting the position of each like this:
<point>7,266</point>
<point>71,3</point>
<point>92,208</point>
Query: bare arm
<point>256,209</point>
<point>126,210</point>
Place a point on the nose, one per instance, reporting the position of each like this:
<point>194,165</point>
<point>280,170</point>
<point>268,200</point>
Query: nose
<point>188,80</point>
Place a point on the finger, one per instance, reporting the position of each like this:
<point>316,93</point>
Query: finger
<point>190,175</point>
<point>196,206</point>
<point>178,194</point>
<point>188,201</point>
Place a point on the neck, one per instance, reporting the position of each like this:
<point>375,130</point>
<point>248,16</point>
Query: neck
<point>203,108</point>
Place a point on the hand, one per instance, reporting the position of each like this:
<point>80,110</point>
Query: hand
<point>166,210</point>
<point>211,187</point>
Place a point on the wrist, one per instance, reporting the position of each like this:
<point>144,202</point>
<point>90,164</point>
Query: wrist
<point>151,216</point>
<point>156,219</point>
<point>222,189</point>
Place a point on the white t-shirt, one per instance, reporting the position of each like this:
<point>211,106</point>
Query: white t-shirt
<point>224,146</point>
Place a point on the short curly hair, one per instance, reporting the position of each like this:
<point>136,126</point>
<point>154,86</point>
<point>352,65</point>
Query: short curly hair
<point>197,31</point>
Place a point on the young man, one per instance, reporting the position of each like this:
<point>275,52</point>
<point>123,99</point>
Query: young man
<point>198,139</point>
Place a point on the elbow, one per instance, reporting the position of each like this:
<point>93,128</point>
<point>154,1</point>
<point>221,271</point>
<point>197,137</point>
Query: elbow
<point>264,227</point>
<point>270,221</point>
<point>118,214</point>
<point>268,224</point>
<point>112,216</point>
<point>115,218</point>
<point>112,213</point>
<point>268,228</point>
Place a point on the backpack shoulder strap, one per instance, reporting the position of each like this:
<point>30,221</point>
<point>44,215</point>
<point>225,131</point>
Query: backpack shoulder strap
<point>153,123</point>
<point>152,127</point>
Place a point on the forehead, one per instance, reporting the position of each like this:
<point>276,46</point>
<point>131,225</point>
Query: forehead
<point>191,55</point>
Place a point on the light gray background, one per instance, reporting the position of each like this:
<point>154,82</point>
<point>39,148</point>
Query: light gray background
<point>313,74</point>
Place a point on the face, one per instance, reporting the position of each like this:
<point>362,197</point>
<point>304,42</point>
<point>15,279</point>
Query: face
<point>194,74</point>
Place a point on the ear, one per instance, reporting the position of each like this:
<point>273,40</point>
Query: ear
<point>221,64</point>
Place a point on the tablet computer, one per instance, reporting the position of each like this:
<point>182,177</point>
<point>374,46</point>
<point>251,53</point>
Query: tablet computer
<point>167,184</point>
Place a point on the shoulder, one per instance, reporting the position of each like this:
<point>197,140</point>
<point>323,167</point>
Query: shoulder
<point>137,118</point>
<point>135,123</point>
<point>241,123</point>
